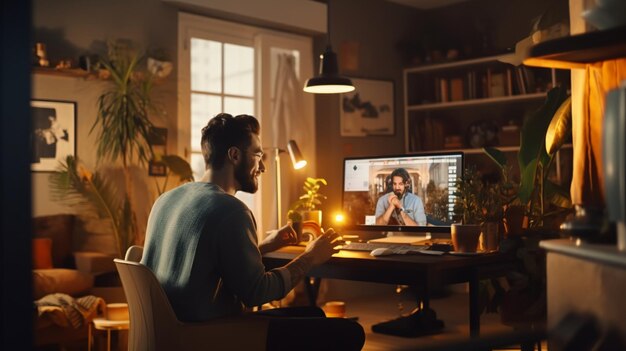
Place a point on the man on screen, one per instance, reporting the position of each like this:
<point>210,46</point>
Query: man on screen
<point>400,206</point>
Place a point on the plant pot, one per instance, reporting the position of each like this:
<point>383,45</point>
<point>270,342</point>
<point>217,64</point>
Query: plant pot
<point>490,236</point>
<point>515,221</point>
<point>315,216</point>
<point>465,237</point>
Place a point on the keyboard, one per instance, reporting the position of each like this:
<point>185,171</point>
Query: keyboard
<point>397,248</point>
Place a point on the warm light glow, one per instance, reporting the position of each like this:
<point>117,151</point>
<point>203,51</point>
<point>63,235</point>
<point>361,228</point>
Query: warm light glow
<point>548,63</point>
<point>329,89</point>
<point>300,164</point>
<point>339,218</point>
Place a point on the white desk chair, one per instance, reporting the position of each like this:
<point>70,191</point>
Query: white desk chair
<point>154,326</point>
<point>134,253</point>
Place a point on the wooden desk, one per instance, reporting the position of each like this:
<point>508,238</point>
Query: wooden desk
<point>423,271</point>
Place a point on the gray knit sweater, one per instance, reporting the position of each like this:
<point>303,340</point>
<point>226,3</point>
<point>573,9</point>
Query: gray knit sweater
<point>201,243</point>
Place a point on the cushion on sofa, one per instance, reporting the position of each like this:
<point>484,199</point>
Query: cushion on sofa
<point>60,280</point>
<point>60,229</point>
<point>42,253</point>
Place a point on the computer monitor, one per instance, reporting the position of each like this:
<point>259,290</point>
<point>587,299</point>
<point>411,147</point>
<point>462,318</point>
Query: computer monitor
<point>376,190</point>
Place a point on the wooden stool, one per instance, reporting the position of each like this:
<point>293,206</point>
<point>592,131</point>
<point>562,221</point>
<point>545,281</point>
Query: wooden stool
<point>105,324</point>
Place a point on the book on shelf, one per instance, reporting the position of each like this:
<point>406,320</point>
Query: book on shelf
<point>529,80</point>
<point>519,80</point>
<point>497,85</point>
<point>509,82</point>
<point>456,89</point>
<point>444,94</point>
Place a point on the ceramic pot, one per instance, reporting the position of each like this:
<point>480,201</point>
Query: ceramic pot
<point>315,216</point>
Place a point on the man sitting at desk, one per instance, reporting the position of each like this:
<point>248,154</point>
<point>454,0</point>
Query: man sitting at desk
<point>201,243</point>
<point>399,205</point>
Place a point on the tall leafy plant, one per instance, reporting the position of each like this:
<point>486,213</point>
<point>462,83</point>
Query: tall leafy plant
<point>91,191</point>
<point>123,124</point>
<point>543,134</point>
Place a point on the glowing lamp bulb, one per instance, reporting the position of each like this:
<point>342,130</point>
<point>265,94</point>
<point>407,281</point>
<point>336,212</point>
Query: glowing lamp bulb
<point>339,218</point>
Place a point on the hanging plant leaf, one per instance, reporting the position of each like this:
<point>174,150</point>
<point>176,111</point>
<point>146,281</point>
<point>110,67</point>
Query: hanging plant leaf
<point>527,184</point>
<point>534,129</point>
<point>496,155</point>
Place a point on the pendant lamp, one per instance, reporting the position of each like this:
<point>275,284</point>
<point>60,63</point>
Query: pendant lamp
<point>328,81</point>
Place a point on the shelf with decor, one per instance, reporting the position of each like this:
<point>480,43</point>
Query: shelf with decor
<point>64,72</point>
<point>470,104</point>
<point>578,50</point>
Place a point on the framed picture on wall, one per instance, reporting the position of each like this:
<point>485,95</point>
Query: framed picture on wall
<point>369,109</point>
<point>53,133</point>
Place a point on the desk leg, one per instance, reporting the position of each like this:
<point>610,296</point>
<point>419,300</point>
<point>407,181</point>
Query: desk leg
<point>474,313</point>
<point>89,338</point>
<point>312,289</point>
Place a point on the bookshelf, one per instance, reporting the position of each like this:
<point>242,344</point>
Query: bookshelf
<point>466,105</point>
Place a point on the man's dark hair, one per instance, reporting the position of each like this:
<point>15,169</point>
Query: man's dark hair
<point>401,172</point>
<point>223,132</point>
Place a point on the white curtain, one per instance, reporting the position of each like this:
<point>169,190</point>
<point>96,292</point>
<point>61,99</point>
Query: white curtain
<point>288,123</point>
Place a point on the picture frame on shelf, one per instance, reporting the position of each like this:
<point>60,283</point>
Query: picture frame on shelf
<point>369,109</point>
<point>53,133</point>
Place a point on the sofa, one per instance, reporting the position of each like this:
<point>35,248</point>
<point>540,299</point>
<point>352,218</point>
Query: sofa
<point>61,273</point>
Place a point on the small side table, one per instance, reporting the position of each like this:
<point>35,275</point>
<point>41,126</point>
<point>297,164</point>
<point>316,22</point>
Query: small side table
<point>105,324</point>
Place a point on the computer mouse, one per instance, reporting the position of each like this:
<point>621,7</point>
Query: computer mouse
<point>382,251</point>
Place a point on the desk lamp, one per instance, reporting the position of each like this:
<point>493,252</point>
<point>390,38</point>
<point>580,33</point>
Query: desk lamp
<point>297,161</point>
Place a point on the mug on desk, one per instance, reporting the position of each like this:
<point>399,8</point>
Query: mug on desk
<point>465,237</point>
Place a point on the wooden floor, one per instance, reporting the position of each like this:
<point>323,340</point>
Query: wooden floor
<point>452,308</point>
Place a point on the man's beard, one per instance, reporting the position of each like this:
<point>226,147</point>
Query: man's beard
<point>245,179</point>
<point>399,194</point>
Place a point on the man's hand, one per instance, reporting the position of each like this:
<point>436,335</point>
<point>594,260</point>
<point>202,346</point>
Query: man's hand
<point>279,238</point>
<point>323,247</point>
<point>317,252</point>
<point>394,201</point>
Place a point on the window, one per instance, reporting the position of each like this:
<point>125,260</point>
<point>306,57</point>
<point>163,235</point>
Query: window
<point>229,67</point>
<point>222,79</point>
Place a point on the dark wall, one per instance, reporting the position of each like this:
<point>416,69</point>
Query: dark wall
<point>490,26</point>
<point>393,37</point>
<point>71,28</point>
<point>390,37</point>
<point>378,26</point>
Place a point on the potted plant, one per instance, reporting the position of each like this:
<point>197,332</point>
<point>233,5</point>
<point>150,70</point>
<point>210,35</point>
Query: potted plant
<point>92,192</point>
<point>540,205</point>
<point>307,202</point>
<point>123,133</point>
<point>468,210</point>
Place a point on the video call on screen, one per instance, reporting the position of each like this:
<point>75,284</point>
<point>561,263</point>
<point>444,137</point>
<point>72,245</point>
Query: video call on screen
<point>432,178</point>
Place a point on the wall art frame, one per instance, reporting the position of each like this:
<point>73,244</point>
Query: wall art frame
<point>53,133</point>
<point>369,109</point>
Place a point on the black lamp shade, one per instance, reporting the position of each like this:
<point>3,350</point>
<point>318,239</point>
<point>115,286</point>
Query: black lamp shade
<point>328,81</point>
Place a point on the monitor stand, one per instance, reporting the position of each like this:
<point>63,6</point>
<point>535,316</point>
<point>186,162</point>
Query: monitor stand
<point>422,321</point>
